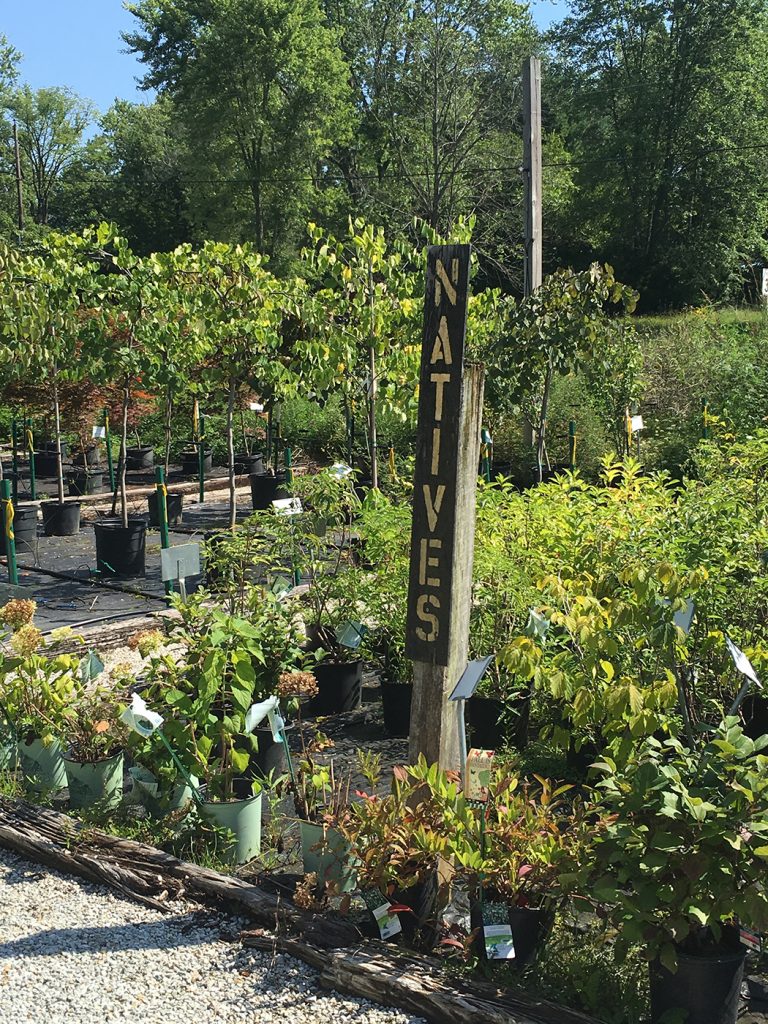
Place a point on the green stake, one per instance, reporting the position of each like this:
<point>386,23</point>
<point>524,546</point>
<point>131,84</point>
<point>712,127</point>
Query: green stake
<point>15,434</point>
<point>31,450</point>
<point>288,459</point>
<point>10,539</point>
<point>108,442</point>
<point>269,436</point>
<point>201,458</point>
<point>162,515</point>
<point>572,444</point>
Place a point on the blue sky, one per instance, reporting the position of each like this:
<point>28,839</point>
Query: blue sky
<point>76,43</point>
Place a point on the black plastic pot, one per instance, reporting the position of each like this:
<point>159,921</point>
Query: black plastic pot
<point>339,687</point>
<point>190,465</point>
<point>269,759</point>
<point>61,520</point>
<point>85,483</point>
<point>173,505</point>
<point>704,989</point>
<point>24,529</point>
<point>528,925</point>
<point>396,703</point>
<point>120,550</point>
<point>484,719</point>
<point>362,487</point>
<point>92,457</point>
<point>139,459</point>
<point>248,465</point>
<point>46,464</point>
<point>266,488</point>
<point>421,927</point>
<point>49,448</point>
<point>755,712</point>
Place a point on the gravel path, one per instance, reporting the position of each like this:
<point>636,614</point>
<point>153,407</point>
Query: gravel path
<point>75,953</point>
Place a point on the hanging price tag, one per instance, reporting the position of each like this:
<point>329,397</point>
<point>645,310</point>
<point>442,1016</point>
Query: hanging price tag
<point>99,432</point>
<point>477,776</point>
<point>637,424</point>
<point>389,924</point>
<point>752,940</point>
<point>256,407</point>
<point>497,933</point>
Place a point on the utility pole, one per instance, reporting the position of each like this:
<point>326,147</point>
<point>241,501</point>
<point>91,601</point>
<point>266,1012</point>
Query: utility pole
<point>19,180</point>
<point>532,272</point>
<point>531,169</point>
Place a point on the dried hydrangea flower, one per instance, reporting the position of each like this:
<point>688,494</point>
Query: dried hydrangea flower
<point>18,612</point>
<point>146,641</point>
<point>26,640</point>
<point>296,684</point>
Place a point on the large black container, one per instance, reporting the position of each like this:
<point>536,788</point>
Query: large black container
<point>24,530</point>
<point>704,989</point>
<point>266,488</point>
<point>46,464</point>
<point>339,687</point>
<point>84,483</point>
<point>61,520</point>
<point>396,704</point>
<point>190,465</point>
<point>92,457</point>
<point>120,550</point>
<point>248,465</point>
<point>528,926</point>
<point>139,459</point>
<point>269,759</point>
<point>173,505</point>
<point>421,927</point>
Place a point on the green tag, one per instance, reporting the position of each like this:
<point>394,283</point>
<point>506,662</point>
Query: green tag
<point>497,933</point>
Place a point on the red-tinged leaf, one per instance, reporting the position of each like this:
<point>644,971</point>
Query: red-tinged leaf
<point>452,942</point>
<point>400,908</point>
<point>526,869</point>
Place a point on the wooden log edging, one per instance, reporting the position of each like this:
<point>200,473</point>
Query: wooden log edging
<point>151,876</point>
<point>417,983</point>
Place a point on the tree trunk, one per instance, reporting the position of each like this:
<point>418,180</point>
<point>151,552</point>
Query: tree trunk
<point>168,417</point>
<point>541,445</point>
<point>124,451</point>
<point>231,452</point>
<point>372,438</point>
<point>57,422</point>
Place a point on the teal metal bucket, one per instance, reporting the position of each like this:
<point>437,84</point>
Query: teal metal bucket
<point>327,854</point>
<point>97,784</point>
<point>42,766</point>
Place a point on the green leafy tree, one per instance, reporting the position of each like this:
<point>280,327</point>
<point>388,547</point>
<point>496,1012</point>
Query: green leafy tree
<point>262,90</point>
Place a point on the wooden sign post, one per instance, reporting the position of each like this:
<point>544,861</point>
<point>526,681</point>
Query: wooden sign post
<point>443,533</point>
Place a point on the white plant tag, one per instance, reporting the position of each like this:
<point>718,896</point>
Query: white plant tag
<point>389,924</point>
<point>637,424</point>
<point>742,662</point>
<point>499,944</point>
<point>287,506</point>
<point>98,432</point>
<point>256,407</point>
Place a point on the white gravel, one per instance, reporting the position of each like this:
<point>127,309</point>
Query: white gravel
<point>76,953</point>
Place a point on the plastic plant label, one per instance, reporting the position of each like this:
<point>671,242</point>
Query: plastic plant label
<point>287,506</point>
<point>637,424</point>
<point>477,776</point>
<point>350,634</point>
<point>497,933</point>
<point>256,407</point>
<point>99,432</point>
<point>389,924</point>
<point>742,662</point>
<point>537,625</point>
<point>684,617</point>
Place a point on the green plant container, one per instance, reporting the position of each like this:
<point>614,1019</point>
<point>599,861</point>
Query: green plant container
<point>6,755</point>
<point>96,784</point>
<point>243,819</point>
<point>159,805</point>
<point>42,766</point>
<point>326,853</point>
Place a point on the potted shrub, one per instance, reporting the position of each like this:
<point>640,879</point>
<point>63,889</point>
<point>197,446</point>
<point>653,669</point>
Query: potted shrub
<point>681,861</point>
<point>515,851</point>
<point>397,839</point>
<point>94,760</point>
<point>35,691</point>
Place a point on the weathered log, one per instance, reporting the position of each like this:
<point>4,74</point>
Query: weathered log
<point>416,983</point>
<point>149,875</point>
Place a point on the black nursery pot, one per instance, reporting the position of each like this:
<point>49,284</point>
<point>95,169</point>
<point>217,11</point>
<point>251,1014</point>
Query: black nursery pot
<point>46,463</point>
<point>396,704</point>
<point>120,550</point>
<point>421,927</point>
<point>269,759</point>
<point>705,988</point>
<point>339,687</point>
<point>190,462</point>
<point>138,459</point>
<point>248,465</point>
<point>92,457</point>
<point>528,925</point>
<point>24,529</point>
<point>85,483</point>
<point>173,506</point>
<point>61,520</point>
<point>266,488</point>
<point>485,728</point>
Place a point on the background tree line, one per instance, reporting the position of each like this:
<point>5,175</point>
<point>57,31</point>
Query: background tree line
<point>267,114</point>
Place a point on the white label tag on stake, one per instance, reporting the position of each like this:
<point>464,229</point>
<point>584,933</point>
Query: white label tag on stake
<point>637,424</point>
<point>99,432</point>
<point>389,924</point>
<point>287,506</point>
<point>256,407</point>
<point>742,662</point>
